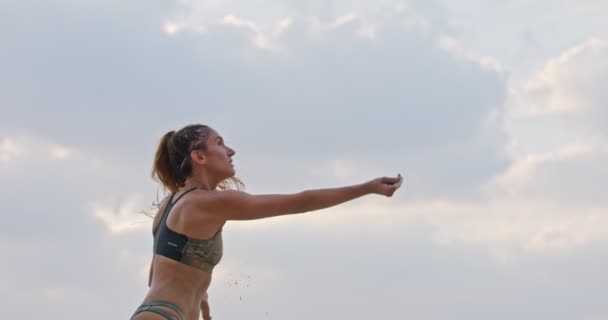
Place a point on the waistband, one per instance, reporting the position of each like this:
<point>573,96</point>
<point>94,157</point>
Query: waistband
<point>153,306</point>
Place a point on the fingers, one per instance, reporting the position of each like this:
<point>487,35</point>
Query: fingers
<point>392,180</point>
<point>391,191</point>
<point>398,184</point>
<point>391,184</point>
<point>386,186</point>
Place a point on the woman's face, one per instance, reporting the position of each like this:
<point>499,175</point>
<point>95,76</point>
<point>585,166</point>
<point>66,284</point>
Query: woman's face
<point>218,157</point>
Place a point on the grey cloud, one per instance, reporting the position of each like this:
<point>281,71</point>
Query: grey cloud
<point>56,252</point>
<point>85,276</point>
<point>397,276</point>
<point>394,102</point>
<point>489,28</point>
<point>121,84</point>
<point>106,75</point>
<point>56,202</point>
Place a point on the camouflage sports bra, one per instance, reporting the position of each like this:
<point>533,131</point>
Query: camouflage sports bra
<point>198,253</point>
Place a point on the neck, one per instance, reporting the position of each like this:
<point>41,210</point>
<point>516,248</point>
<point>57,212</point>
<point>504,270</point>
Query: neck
<point>200,182</point>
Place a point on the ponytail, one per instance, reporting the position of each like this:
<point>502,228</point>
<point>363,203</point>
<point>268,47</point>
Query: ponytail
<point>172,165</point>
<point>164,171</point>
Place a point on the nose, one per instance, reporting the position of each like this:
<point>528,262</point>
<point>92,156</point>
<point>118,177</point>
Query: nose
<point>231,152</point>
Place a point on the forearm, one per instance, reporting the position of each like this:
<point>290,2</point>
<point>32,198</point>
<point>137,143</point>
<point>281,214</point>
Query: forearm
<point>237,205</point>
<point>311,200</point>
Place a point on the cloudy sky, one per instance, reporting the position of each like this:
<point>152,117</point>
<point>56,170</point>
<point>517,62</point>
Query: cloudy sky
<point>494,111</point>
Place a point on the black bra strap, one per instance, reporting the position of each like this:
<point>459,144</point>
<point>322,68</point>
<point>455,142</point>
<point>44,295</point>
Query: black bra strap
<point>181,195</point>
<point>170,205</point>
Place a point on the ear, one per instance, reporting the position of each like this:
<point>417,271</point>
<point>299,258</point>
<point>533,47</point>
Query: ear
<point>198,157</point>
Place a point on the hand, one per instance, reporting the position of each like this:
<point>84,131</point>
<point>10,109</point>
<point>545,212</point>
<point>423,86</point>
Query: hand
<point>385,186</point>
<point>205,307</point>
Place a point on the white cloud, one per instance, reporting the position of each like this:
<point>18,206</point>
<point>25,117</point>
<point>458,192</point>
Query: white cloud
<point>556,123</point>
<point>367,30</point>
<point>61,152</point>
<point>172,28</point>
<point>508,225</point>
<point>270,40</point>
<point>364,27</point>
<point>522,170</point>
<point>15,147</point>
<point>260,38</point>
<point>233,21</point>
<point>267,25</point>
<point>125,217</point>
<point>568,84</point>
<point>10,149</point>
<point>455,47</point>
<point>282,26</point>
<point>343,20</point>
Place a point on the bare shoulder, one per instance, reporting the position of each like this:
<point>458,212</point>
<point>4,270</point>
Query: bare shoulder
<point>214,201</point>
<point>199,215</point>
<point>212,198</point>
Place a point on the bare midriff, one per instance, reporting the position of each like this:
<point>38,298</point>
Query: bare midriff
<point>178,283</point>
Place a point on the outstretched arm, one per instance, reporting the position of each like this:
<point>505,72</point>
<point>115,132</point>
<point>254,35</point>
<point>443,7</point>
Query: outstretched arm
<point>236,205</point>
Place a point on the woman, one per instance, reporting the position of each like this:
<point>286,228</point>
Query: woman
<point>196,167</point>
